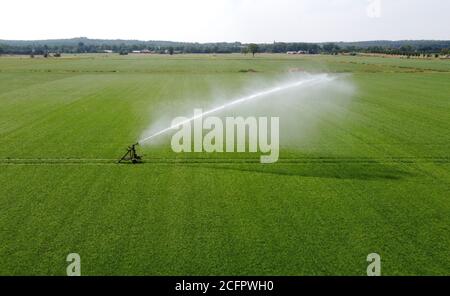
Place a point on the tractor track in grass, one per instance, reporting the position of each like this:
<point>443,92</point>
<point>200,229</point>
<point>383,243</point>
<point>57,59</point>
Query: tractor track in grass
<point>289,161</point>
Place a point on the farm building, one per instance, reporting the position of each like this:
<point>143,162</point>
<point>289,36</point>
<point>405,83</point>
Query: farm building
<point>297,52</point>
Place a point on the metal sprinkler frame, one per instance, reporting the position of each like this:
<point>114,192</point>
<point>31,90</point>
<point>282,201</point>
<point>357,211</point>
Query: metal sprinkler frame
<point>131,155</point>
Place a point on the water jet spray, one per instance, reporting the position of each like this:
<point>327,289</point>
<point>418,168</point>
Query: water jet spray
<point>132,155</point>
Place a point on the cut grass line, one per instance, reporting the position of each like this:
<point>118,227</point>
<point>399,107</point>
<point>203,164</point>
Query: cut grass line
<point>306,160</point>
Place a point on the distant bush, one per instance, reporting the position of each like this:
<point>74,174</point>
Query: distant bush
<point>247,71</point>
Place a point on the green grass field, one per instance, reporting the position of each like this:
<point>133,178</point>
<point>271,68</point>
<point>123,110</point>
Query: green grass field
<point>373,177</point>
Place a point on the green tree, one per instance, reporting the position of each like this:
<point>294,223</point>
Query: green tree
<point>331,48</point>
<point>171,50</point>
<point>80,48</point>
<point>45,51</point>
<point>253,48</point>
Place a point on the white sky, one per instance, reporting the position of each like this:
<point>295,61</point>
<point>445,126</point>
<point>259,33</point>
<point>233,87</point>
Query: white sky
<point>226,20</point>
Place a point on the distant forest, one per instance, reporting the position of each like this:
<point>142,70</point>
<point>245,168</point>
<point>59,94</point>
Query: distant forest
<point>85,45</point>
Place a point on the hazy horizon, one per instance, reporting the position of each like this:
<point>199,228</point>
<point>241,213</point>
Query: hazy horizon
<point>177,41</point>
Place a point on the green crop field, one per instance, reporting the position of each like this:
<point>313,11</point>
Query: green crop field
<point>372,175</point>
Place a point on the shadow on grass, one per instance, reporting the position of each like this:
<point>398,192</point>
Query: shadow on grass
<point>358,171</point>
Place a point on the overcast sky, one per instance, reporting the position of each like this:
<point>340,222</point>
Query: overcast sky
<point>226,20</point>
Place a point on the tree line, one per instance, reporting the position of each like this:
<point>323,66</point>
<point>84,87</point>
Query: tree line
<point>85,45</point>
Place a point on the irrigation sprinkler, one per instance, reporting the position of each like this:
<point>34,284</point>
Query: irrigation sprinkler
<point>131,155</point>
